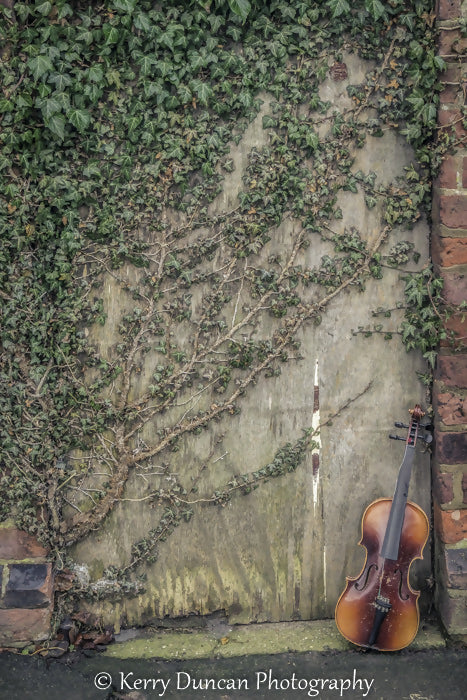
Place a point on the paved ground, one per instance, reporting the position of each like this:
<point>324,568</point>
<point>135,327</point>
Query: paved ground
<point>202,665</point>
<point>423,675</point>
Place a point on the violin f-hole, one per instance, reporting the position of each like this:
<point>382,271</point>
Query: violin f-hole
<point>402,596</point>
<point>365,583</point>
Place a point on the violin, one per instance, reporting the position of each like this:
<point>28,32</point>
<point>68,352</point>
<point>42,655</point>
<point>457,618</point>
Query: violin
<point>379,609</point>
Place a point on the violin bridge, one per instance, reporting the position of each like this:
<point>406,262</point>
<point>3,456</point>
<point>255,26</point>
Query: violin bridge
<point>382,604</point>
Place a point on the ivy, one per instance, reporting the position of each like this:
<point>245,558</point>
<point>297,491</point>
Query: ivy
<point>425,323</point>
<point>117,126</point>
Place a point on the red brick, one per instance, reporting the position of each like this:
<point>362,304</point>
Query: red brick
<point>451,409</point>
<point>451,608</point>
<point>452,119</point>
<point>451,447</point>
<point>18,625</point>
<point>448,173</point>
<point>453,211</point>
<point>455,285</point>
<point>448,251</point>
<point>456,326</point>
<point>451,525</point>
<point>452,370</point>
<point>451,94</point>
<point>443,487</point>
<point>448,42</point>
<point>16,544</point>
<point>455,561</point>
<point>451,74</point>
<point>449,9</point>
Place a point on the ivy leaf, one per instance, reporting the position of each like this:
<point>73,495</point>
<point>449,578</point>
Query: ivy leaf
<point>277,49</point>
<point>430,357</point>
<point>439,62</point>
<point>203,90</point>
<point>61,80</point>
<point>63,100</point>
<point>166,39</point>
<point>125,5</point>
<point>93,91</point>
<point>213,141</point>
<point>51,106</point>
<point>338,7</point>
<point>196,60</point>
<point>113,77</point>
<point>6,105</point>
<point>146,64</point>
<point>429,112</point>
<point>142,22</point>
<point>111,34</point>
<point>152,88</point>
<point>176,153</point>
<point>375,8</point>
<point>312,140</point>
<point>241,8</point>
<point>235,33</point>
<point>184,93</point>
<point>65,11</point>
<point>95,73</point>
<point>269,121</point>
<point>164,68</point>
<point>56,124</point>
<point>80,118</point>
<point>133,122</point>
<point>44,8</point>
<point>39,66</point>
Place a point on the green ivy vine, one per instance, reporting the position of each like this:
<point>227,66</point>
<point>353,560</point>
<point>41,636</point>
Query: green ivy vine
<point>118,121</point>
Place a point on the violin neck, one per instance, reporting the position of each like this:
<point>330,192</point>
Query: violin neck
<point>390,548</point>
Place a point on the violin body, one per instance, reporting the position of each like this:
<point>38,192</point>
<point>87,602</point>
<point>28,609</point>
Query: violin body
<point>383,579</point>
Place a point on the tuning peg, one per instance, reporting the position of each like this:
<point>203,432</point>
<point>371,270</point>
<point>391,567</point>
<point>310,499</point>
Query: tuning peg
<point>427,439</point>
<point>398,424</point>
<point>396,437</point>
<point>427,426</point>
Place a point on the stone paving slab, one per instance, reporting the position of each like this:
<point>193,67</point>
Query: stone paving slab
<point>226,641</point>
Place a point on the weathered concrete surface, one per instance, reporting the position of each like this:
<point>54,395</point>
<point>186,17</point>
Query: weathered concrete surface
<point>226,641</point>
<point>283,552</point>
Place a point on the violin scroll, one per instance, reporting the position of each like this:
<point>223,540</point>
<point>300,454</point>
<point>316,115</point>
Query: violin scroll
<point>416,412</point>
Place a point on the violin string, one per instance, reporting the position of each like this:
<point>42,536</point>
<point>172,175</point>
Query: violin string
<point>381,578</point>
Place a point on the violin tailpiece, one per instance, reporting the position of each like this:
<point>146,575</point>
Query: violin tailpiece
<point>382,606</point>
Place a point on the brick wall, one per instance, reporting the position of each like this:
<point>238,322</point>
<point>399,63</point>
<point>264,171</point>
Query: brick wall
<point>26,588</point>
<point>449,253</point>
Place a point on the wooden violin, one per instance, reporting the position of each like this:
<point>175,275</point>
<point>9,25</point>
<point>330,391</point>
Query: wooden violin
<point>379,609</point>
